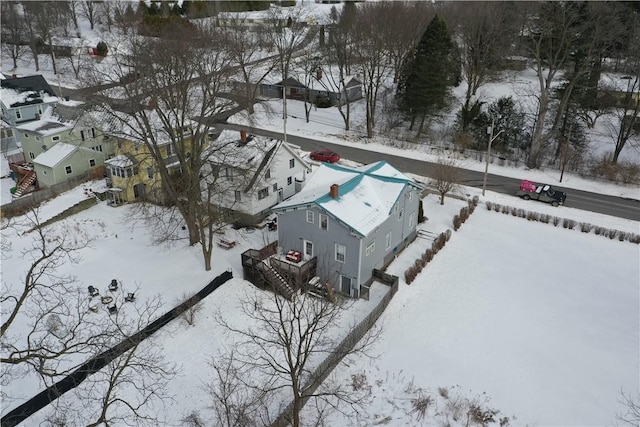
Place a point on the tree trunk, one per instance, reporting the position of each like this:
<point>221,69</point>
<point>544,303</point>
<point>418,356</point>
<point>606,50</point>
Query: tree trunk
<point>536,139</point>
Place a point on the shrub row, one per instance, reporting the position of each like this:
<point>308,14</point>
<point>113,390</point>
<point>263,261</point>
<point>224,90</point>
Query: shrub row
<point>564,222</point>
<point>439,242</point>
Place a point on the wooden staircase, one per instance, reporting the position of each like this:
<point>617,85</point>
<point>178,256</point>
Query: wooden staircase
<point>279,284</point>
<point>26,182</point>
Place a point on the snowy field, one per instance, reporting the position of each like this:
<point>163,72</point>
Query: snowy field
<point>508,307</point>
<point>543,320</point>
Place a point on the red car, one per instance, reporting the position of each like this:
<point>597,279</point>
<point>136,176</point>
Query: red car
<point>325,156</point>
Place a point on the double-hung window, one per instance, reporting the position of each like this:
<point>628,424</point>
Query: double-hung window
<point>341,252</point>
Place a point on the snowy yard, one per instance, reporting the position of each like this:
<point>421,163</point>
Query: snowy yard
<point>508,307</point>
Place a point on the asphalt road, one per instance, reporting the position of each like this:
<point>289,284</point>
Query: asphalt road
<point>594,202</point>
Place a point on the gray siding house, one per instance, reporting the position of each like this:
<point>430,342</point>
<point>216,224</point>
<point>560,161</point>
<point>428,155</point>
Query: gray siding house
<point>352,220</point>
<point>25,98</point>
<point>319,86</point>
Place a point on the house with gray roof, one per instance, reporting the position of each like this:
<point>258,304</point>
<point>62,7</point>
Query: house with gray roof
<point>354,220</point>
<point>25,98</point>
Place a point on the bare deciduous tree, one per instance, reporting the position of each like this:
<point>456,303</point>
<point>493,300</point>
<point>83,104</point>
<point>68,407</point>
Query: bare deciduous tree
<point>284,342</point>
<point>173,106</point>
<point>286,34</point>
<point>13,31</point>
<point>246,49</point>
<point>445,176</point>
<point>482,41</point>
<point>372,58</point>
<point>631,403</point>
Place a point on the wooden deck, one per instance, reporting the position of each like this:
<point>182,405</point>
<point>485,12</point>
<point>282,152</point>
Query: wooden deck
<point>297,274</point>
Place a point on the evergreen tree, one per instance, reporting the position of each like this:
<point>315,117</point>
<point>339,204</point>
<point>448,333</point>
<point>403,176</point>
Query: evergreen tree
<point>428,73</point>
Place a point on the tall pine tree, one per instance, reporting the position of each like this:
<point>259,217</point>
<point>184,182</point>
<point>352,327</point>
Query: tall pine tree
<point>428,73</point>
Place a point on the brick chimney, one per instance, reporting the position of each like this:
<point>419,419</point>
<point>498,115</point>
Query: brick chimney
<point>334,191</point>
<point>243,136</point>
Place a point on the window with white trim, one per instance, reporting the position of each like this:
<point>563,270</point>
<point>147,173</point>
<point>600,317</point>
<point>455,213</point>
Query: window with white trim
<point>67,170</point>
<point>55,138</point>
<point>275,187</point>
<point>238,195</point>
<point>26,136</point>
<point>411,195</point>
<point>82,136</point>
<point>92,131</point>
<point>371,246</point>
<point>150,172</point>
<point>387,241</point>
<point>31,155</point>
<point>292,163</point>
<point>289,181</point>
<point>18,114</point>
<point>323,220</point>
<point>262,194</point>
<point>341,252</point>
<point>310,216</point>
<point>411,219</point>
<point>92,162</point>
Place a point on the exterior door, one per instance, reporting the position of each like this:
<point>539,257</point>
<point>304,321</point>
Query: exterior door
<point>345,285</point>
<point>280,196</point>
<point>308,249</point>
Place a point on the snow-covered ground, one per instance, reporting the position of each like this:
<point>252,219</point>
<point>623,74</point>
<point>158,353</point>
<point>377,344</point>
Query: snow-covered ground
<point>543,319</point>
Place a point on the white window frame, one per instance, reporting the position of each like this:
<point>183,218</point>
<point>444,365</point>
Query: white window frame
<point>68,170</point>
<point>289,181</point>
<point>371,247</point>
<point>238,195</point>
<point>411,218</point>
<point>310,217</point>
<point>341,253</point>
<point>411,195</point>
<point>18,114</point>
<point>292,163</point>
<point>263,193</point>
<point>387,241</point>
<point>55,138</point>
<point>31,155</point>
<point>92,161</point>
<point>82,135</point>
<point>323,218</point>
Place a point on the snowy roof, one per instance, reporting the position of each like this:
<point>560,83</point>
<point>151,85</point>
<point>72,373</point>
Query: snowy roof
<point>325,83</point>
<point>255,154</point>
<point>45,127</point>
<point>17,91</point>
<point>55,154</point>
<point>121,161</point>
<point>366,194</point>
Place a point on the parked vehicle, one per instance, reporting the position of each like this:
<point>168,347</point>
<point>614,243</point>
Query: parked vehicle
<point>325,156</point>
<point>543,192</point>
